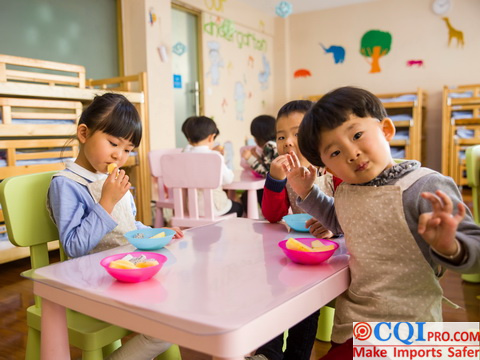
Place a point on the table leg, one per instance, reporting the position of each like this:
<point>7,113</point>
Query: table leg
<point>252,211</point>
<point>54,334</point>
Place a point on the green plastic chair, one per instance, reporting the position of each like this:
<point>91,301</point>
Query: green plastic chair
<point>28,223</point>
<point>473,180</point>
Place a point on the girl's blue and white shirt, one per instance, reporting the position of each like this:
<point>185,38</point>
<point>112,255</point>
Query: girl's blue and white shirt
<point>81,221</point>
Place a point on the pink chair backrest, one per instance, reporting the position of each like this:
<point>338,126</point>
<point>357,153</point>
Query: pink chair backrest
<point>193,172</point>
<point>154,157</point>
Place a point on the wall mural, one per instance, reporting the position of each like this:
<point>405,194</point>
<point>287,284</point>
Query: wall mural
<point>216,5</point>
<point>453,33</point>
<point>375,44</point>
<point>417,63</point>
<point>337,51</point>
<point>239,97</point>
<point>302,73</point>
<point>283,9</point>
<point>216,62</point>
<point>179,48</point>
<point>264,75</point>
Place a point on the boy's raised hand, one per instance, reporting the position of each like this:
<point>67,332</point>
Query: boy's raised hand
<point>115,187</point>
<point>276,167</point>
<point>300,178</point>
<point>438,228</point>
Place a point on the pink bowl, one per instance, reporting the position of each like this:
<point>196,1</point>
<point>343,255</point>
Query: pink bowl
<point>134,275</point>
<point>308,258</point>
<point>257,174</point>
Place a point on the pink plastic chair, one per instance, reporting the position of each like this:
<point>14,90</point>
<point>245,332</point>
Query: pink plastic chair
<point>193,172</point>
<point>165,199</point>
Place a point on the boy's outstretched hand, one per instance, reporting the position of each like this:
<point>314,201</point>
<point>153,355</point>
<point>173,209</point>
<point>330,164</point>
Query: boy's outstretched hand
<point>299,177</point>
<point>178,232</point>
<point>317,229</point>
<point>438,227</point>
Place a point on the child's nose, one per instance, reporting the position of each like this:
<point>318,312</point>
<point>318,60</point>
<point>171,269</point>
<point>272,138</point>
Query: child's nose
<point>353,155</point>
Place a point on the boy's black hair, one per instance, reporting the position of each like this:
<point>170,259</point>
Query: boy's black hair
<point>300,106</point>
<point>331,111</point>
<point>198,128</point>
<point>113,114</point>
<point>262,129</point>
<point>184,128</point>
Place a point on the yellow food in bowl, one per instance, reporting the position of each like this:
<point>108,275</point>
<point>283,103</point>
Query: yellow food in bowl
<point>317,246</point>
<point>125,264</point>
<point>159,235</point>
<point>147,263</point>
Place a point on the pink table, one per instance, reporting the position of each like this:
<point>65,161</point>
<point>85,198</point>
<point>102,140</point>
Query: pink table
<point>245,180</point>
<point>225,290</point>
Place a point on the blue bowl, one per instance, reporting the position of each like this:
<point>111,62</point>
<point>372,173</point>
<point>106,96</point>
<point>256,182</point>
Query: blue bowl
<point>142,238</point>
<point>297,221</point>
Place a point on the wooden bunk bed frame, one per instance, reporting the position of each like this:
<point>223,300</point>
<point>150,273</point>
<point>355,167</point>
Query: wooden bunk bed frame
<point>452,144</point>
<point>416,108</point>
<point>32,91</point>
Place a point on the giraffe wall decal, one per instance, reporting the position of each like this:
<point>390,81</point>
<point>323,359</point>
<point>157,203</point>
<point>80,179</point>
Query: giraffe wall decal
<point>453,33</point>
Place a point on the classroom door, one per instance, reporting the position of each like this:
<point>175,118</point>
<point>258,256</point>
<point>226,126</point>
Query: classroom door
<point>186,61</point>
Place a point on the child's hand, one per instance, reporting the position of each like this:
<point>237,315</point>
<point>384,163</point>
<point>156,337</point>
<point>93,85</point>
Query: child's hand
<point>299,177</point>
<point>246,154</point>
<point>276,167</point>
<point>179,233</point>
<point>115,187</point>
<point>317,229</point>
<point>438,227</point>
<point>220,149</point>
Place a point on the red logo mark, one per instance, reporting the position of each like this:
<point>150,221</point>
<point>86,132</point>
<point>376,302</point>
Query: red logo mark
<point>362,331</point>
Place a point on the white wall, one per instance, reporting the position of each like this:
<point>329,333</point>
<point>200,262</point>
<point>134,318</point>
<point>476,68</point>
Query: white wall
<point>417,33</point>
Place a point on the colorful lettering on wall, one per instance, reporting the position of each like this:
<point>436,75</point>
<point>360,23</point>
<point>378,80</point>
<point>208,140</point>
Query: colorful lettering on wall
<point>216,61</point>
<point>416,63</point>
<point>226,30</point>
<point>283,9</point>
<point>302,73</point>
<point>224,104</point>
<point>453,33</point>
<point>251,61</point>
<point>179,48</point>
<point>375,44</point>
<point>264,74</point>
<point>239,97</point>
<point>337,51</point>
<point>152,17</point>
<point>214,4</point>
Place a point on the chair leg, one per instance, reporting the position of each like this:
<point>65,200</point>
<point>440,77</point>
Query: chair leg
<point>325,323</point>
<point>33,345</point>
<point>159,221</point>
<point>92,354</point>
<point>107,350</point>
<point>172,353</point>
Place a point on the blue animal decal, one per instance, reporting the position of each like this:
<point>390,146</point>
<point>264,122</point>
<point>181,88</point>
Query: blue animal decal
<point>337,51</point>
<point>216,61</point>
<point>265,74</point>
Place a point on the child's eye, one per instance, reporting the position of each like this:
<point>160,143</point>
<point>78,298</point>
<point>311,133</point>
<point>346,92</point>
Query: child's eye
<point>357,136</point>
<point>296,134</point>
<point>128,151</point>
<point>335,153</point>
<point>281,138</point>
<point>112,143</point>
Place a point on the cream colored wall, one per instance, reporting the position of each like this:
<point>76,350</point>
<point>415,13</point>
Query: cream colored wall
<point>220,102</point>
<point>417,34</point>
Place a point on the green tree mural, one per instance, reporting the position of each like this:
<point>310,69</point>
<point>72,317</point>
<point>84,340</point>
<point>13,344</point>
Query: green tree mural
<point>375,44</point>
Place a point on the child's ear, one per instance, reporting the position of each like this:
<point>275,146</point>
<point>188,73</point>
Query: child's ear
<point>211,137</point>
<point>388,128</point>
<point>82,133</point>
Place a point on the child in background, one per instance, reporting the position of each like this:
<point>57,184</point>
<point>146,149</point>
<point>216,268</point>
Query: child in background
<point>278,197</point>
<point>201,132</point>
<point>399,220</point>
<point>262,129</point>
<point>92,210</point>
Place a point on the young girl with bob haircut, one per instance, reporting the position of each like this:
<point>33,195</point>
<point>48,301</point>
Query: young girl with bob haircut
<point>93,210</point>
<point>403,223</point>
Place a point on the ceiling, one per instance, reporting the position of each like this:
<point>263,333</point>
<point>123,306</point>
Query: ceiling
<point>299,6</point>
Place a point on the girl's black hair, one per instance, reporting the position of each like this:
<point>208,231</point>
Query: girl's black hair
<point>114,115</point>
<point>262,129</point>
<point>300,106</point>
<point>331,111</point>
<point>198,128</point>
